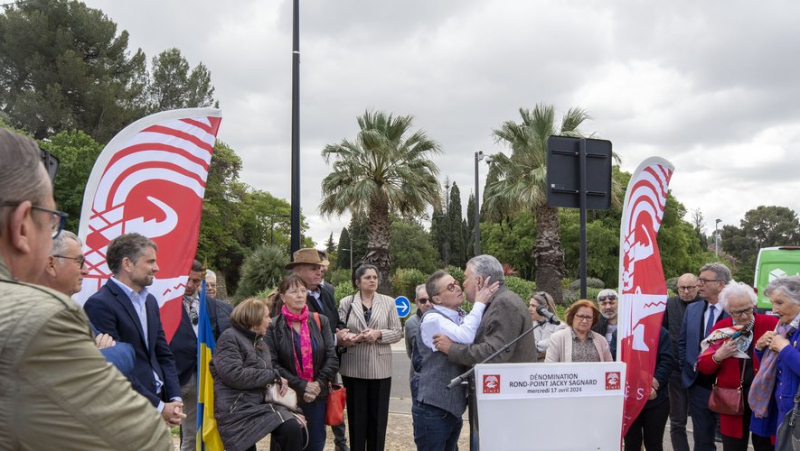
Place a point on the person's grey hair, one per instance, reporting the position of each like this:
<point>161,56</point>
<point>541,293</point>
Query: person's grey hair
<point>211,275</point>
<point>722,271</point>
<point>433,280</point>
<point>21,175</point>
<point>130,245</point>
<point>736,289</point>
<point>487,266</point>
<point>60,242</point>
<point>418,289</point>
<point>790,286</point>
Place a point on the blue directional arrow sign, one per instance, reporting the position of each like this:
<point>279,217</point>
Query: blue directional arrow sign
<point>403,306</point>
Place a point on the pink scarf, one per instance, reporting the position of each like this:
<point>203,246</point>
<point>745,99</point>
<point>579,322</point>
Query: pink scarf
<point>306,371</point>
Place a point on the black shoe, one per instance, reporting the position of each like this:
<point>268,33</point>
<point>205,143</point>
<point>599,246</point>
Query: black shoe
<point>342,448</point>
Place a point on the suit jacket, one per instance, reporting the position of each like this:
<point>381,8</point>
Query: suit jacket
<point>184,343</point>
<point>692,333</point>
<point>326,295</point>
<point>112,312</point>
<point>120,355</point>
<point>370,360</point>
<point>506,317</point>
<point>560,347</point>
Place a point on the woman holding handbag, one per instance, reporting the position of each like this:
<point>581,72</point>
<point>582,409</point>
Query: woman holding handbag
<point>302,349</point>
<point>728,354</point>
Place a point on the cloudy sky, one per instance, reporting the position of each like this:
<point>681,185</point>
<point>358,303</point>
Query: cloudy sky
<point>711,86</point>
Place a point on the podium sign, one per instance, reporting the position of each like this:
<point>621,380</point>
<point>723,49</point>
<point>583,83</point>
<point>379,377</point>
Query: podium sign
<point>546,404</point>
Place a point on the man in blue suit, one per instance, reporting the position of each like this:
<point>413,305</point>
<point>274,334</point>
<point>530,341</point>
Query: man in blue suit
<point>700,317</point>
<point>125,310</point>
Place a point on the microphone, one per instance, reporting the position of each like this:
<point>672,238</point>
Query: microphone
<point>552,319</point>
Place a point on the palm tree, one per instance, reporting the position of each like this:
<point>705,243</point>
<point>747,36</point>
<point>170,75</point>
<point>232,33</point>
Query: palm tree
<point>379,173</point>
<point>519,183</point>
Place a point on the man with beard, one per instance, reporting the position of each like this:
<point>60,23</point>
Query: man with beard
<point>124,309</point>
<point>607,301</point>
<point>678,396</point>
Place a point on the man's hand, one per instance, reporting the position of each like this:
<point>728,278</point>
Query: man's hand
<point>442,343</point>
<point>104,341</point>
<point>173,413</point>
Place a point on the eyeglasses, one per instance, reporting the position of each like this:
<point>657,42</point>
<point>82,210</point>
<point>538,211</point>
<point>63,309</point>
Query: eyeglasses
<point>57,221</point>
<point>705,281</point>
<point>584,317</point>
<point>423,300</point>
<point>744,312</point>
<point>81,260</point>
<point>688,287</point>
<point>610,298</point>
<point>211,285</point>
<point>451,287</point>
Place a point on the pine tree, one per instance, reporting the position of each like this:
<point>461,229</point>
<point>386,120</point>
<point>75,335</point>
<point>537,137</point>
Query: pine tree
<point>456,236</point>
<point>342,255</point>
<point>470,236</point>
<point>330,246</point>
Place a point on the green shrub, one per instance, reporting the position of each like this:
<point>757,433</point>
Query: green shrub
<point>339,277</point>
<point>571,296</point>
<point>262,269</point>
<point>405,281</point>
<point>672,285</point>
<point>522,287</point>
<point>457,273</point>
<point>591,282</point>
<point>343,291</point>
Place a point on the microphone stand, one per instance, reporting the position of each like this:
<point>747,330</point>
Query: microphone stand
<point>461,378</point>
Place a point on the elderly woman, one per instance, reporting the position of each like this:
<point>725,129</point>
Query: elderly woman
<point>371,326</point>
<point>578,343</point>
<point>242,370</point>
<point>774,387</point>
<point>544,329</point>
<point>728,354</point>
<point>302,349</point>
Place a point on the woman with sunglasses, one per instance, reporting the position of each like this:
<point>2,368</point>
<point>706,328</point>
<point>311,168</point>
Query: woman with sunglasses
<point>544,329</point>
<point>578,343</point>
<point>728,354</point>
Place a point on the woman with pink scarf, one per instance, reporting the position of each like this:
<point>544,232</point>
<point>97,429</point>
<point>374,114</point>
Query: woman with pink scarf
<point>773,390</point>
<point>302,348</point>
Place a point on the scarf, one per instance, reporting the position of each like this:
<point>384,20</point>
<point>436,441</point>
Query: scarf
<point>306,370</point>
<point>764,382</point>
<point>741,335</point>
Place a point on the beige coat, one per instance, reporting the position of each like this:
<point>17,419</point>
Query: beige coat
<point>370,360</point>
<point>56,389</point>
<point>560,348</point>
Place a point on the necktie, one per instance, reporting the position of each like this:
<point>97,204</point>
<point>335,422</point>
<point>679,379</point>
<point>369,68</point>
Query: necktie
<point>711,321</point>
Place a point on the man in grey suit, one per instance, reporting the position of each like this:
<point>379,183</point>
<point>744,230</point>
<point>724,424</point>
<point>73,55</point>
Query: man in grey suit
<point>412,326</point>
<point>506,316</point>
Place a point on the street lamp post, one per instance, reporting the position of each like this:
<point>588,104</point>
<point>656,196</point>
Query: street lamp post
<point>716,237</point>
<point>479,155</point>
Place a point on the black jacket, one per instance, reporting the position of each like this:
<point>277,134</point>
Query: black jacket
<point>673,318</point>
<point>665,364</point>
<point>184,342</point>
<point>326,364</point>
<point>331,312</point>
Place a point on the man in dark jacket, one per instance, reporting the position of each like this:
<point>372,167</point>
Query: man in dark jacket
<point>184,347</point>
<point>678,395</point>
<point>607,302</point>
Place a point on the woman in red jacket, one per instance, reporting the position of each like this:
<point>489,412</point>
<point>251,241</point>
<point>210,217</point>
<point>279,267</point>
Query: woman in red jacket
<point>728,350</point>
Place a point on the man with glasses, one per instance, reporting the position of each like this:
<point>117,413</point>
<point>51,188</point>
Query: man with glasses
<point>58,389</point>
<point>607,302</point>
<point>412,326</point>
<point>698,321</point>
<point>678,395</point>
<point>184,346</point>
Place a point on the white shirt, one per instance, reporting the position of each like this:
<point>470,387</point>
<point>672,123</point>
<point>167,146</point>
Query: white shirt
<point>460,330</point>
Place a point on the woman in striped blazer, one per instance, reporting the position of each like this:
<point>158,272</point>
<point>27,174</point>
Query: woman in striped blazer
<point>372,325</point>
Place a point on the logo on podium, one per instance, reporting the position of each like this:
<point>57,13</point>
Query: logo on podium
<point>491,383</point>
<point>612,380</point>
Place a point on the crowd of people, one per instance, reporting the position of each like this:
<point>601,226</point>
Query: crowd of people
<point>104,377</point>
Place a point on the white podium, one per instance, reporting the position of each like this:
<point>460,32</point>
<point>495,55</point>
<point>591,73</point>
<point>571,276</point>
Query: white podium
<point>550,406</point>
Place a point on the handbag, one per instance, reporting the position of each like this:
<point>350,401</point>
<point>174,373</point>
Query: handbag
<point>273,395</point>
<point>334,411</point>
<point>728,401</point>
<point>788,435</point>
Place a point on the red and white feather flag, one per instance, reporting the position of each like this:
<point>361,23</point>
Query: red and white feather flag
<point>151,179</point>
<point>643,290</point>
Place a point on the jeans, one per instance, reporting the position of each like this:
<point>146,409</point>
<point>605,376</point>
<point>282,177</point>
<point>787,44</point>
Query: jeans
<point>704,421</point>
<point>435,429</point>
<point>315,419</point>
<point>678,412</point>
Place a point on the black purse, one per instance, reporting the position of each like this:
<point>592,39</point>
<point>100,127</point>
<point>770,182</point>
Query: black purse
<point>788,436</point>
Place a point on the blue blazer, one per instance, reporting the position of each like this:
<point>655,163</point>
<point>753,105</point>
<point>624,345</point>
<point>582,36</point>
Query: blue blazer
<point>112,312</point>
<point>692,333</point>
<point>120,355</point>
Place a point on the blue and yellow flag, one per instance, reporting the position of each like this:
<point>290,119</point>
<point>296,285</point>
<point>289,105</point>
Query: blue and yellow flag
<point>207,434</point>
